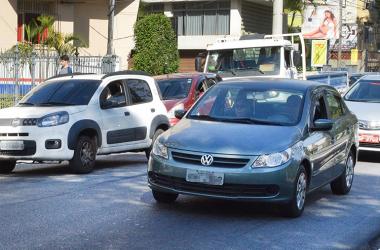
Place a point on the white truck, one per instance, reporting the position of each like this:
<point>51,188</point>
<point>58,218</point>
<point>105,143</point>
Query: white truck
<point>255,56</point>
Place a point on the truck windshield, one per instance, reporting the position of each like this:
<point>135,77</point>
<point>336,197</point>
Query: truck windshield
<point>264,61</point>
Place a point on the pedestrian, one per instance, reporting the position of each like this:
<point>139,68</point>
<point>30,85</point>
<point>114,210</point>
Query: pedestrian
<point>65,65</point>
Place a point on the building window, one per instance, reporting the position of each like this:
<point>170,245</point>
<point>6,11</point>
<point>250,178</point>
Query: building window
<point>201,18</point>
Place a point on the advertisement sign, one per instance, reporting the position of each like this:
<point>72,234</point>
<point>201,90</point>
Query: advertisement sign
<point>354,56</point>
<point>318,53</point>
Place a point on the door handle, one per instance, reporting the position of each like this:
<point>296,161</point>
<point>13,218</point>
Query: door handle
<point>126,113</point>
<point>152,110</point>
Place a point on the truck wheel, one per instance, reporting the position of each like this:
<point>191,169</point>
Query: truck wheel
<point>84,155</point>
<point>162,197</point>
<point>342,185</point>
<point>156,134</point>
<point>6,167</point>
<point>296,205</point>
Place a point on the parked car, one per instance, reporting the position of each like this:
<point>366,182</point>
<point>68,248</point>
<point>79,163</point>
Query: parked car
<point>76,117</point>
<point>264,140</point>
<point>356,76</point>
<point>363,99</point>
<point>180,91</point>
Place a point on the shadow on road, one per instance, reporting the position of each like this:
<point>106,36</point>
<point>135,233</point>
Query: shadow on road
<point>367,156</point>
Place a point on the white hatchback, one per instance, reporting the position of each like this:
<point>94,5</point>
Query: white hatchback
<point>78,116</point>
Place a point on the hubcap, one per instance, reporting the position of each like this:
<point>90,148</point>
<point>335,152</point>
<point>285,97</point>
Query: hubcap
<point>349,171</point>
<point>301,190</point>
<point>86,154</point>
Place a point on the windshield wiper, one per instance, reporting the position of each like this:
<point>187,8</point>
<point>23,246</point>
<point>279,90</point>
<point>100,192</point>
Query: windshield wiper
<point>26,103</point>
<point>253,121</point>
<point>204,117</point>
<point>54,104</point>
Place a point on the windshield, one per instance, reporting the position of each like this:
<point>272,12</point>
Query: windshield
<point>245,62</point>
<point>61,92</point>
<point>364,91</point>
<point>174,88</point>
<point>249,105</point>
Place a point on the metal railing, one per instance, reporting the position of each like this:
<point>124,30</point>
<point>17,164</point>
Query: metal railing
<point>18,75</point>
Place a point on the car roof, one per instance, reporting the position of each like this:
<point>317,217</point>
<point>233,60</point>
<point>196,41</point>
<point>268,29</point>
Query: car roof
<point>185,75</point>
<point>298,85</point>
<point>371,77</point>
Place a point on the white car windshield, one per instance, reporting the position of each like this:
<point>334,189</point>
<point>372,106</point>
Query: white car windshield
<point>364,91</point>
<point>246,61</point>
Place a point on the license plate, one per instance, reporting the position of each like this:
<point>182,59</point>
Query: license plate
<point>367,138</point>
<point>11,145</point>
<point>205,177</point>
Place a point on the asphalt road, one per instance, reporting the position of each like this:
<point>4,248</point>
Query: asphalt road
<point>46,207</point>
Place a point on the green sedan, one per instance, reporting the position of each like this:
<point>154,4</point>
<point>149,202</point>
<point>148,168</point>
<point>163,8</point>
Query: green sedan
<point>260,140</point>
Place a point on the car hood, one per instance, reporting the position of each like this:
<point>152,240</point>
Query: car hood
<point>230,138</point>
<point>169,104</point>
<point>37,112</point>
<point>366,111</point>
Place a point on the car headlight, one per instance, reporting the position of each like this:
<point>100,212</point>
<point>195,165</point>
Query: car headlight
<point>160,150</point>
<point>273,160</point>
<point>53,119</point>
<point>369,124</point>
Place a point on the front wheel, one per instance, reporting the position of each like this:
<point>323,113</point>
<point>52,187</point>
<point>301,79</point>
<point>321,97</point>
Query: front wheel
<point>296,205</point>
<point>156,134</point>
<point>6,167</point>
<point>84,156</point>
<point>342,185</point>
<point>162,197</point>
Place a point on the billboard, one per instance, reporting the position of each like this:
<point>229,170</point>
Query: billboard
<point>318,53</point>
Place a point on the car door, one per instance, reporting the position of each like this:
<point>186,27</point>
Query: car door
<point>140,107</point>
<point>340,131</point>
<point>319,143</point>
<point>117,126</point>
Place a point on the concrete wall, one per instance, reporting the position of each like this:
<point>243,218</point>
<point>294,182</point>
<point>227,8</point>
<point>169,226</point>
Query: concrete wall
<point>8,23</point>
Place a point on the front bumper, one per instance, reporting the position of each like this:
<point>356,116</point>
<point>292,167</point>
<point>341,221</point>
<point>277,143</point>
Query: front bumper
<point>375,147</point>
<point>34,139</point>
<point>265,184</point>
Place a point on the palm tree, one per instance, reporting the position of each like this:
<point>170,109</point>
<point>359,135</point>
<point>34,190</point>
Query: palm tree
<point>63,44</point>
<point>294,6</point>
<point>45,25</point>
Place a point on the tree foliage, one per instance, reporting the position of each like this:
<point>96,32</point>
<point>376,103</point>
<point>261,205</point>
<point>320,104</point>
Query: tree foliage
<point>155,45</point>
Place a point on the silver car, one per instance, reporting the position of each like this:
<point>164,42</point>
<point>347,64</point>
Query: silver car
<point>363,99</point>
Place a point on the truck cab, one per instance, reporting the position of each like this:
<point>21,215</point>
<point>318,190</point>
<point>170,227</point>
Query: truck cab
<point>249,56</point>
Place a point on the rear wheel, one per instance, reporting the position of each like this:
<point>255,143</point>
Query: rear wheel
<point>6,167</point>
<point>343,184</point>
<point>84,155</point>
<point>296,206</point>
<point>156,134</point>
<point>162,197</point>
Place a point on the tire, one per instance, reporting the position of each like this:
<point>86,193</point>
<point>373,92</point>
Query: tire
<point>84,157</point>
<point>156,134</point>
<point>6,167</point>
<point>295,207</point>
<point>162,197</point>
<point>342,185</point>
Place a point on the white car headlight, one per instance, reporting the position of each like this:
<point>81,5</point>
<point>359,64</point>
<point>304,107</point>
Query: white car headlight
<point>273,160</point>
<point>369,124</point>
<point>53,119</point>
<point>160,150</point>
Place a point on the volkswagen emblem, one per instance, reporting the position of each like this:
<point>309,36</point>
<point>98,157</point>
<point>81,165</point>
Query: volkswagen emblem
<point>16,122</point>
<point>207,160</point>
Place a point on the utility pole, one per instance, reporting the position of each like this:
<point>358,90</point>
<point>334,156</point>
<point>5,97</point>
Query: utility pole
<point>278,9</point>
<point>111,17</point>
<point>340,33</point>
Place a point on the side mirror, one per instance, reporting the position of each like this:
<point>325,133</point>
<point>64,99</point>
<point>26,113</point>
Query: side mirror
<point>323,125</point>
<point>179,114</point>
<point>198,64</point>
<point>297,58</point>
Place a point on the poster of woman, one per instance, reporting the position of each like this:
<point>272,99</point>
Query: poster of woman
<point>321,23</point>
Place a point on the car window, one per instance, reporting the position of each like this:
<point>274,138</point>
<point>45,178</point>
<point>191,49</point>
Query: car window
<point>113,95</point>
<point>177,88</point>
<point>319,109</point>
<point>139,91</point>
<point>211,82</point>
<point>250,105</point>
<point>62,92</point>
<point>335,106</point>
<point>364,91</point>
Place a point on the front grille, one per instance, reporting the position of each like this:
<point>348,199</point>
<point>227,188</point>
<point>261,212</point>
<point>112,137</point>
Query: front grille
<point>13,134</point>
<point>231,190</point>
<point>29,149</point>
<point>369,145</point>
<point>221,162</point>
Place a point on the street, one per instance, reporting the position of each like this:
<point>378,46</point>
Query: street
<point>46,207</point>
